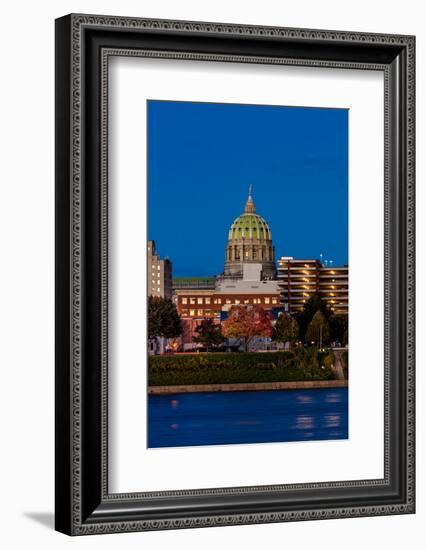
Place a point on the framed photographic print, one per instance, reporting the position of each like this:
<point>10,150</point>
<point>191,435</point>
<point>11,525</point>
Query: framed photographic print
<point>234,274</point>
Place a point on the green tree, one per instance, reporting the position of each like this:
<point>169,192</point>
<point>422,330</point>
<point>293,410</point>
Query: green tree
<point>304,317</point>
<point>339,328</point>
<point>286,329</point>
<point>163,318</point>
<point>209,334</point>
<point>318,330</point>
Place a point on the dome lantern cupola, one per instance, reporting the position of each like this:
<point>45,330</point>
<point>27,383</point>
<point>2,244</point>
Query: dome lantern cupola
<point>250,207</point>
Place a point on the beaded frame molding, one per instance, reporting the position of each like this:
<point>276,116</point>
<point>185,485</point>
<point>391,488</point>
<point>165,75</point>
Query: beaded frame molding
<point>84,44</point>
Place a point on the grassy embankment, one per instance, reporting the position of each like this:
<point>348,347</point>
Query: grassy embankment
<point>233,368</point>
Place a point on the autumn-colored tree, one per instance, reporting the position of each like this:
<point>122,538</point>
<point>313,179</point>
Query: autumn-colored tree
<point>209,334</point>
<point>286,329</point>
<point>318,330</point>
<point>247,322</point>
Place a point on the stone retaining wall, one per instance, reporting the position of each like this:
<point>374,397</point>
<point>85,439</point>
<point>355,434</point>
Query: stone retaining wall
<point>257,386</point>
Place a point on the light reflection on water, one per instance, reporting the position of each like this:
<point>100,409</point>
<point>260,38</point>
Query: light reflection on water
<point>305,398</point>
<point>333,398</point>
<point>304,422</point>
<point>332,420</point>
<point>247,417</point>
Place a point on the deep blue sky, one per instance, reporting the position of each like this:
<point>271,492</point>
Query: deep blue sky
<point>202,158</point>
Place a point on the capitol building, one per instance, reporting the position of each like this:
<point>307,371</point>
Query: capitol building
<point>250,277</point>
<point>250,242</point>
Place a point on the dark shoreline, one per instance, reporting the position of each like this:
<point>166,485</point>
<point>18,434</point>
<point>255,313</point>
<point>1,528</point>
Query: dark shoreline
<point>254,386</point>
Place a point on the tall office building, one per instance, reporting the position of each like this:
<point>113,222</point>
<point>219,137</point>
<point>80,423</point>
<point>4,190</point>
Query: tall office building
<point>159,273</point>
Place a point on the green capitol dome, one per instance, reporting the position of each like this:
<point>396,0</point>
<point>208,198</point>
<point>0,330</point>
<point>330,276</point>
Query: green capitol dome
<point>250,226</point>
<point>249,241</point>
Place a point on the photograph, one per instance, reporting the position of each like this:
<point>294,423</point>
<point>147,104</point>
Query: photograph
<point>247,273</point>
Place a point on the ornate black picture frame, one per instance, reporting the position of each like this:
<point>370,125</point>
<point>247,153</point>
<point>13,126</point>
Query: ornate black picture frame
<point>83,45</point>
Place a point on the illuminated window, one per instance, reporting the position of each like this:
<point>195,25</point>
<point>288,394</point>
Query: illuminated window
<point>228,301</point>
<point>274,301</point>
<point>267,300</point>
<point>184,312</point>
<point>237,301</point>
<point>192,312</point>
<point>192,301</point>
<point>184,300</point>
<point>199,300</point>
<point>207,300</point>
<point>158,267</point>
<point>246,301</point>
<point>199,312</point>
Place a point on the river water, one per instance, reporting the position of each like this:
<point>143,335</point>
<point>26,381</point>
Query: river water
<point>247,417</point>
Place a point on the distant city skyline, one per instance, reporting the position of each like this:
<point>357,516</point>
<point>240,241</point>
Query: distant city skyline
<point>202,157</point>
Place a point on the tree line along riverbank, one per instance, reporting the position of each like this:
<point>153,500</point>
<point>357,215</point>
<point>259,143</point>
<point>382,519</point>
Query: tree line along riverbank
<point>242,368</point>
